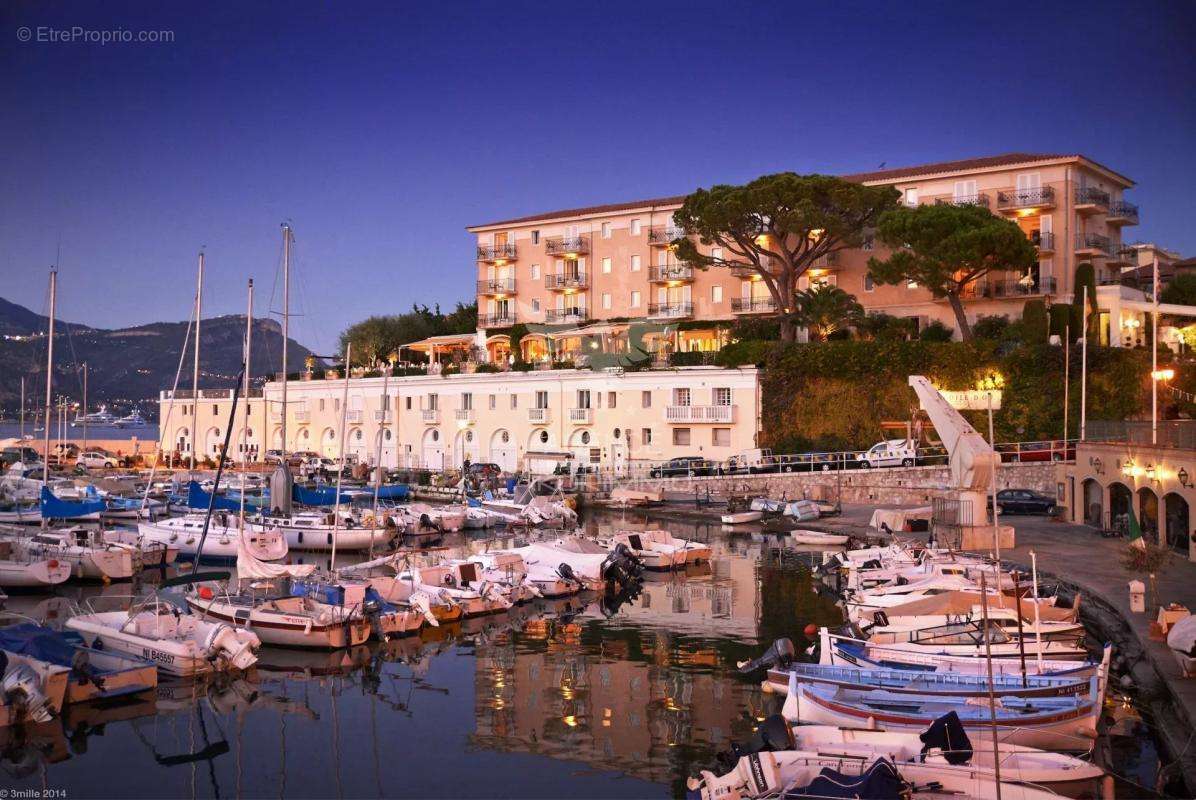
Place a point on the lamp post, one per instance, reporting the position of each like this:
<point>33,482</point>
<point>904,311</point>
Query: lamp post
<point>1157,375</point>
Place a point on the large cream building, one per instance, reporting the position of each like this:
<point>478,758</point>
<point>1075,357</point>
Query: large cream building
<point>600,266</point>
<point>518,420</point>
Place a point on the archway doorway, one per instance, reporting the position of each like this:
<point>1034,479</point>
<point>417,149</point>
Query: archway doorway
<point>1148,514</point>
<point>1121,501</point>
<point>1177,527</point>
<point>1093,503</point>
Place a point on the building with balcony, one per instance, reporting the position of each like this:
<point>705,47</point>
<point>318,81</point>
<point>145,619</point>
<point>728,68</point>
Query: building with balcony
<point>606,419</point>
<point>606,264</point>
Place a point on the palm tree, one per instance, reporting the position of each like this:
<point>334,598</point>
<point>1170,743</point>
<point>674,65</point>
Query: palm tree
<point>826,309</point>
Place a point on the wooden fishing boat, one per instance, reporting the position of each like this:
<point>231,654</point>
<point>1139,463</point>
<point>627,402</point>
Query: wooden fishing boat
<point>659,549</point>
<point>923,682</point>
<point>742,517</point>
<point>818,537</point>
<point>284,621</point>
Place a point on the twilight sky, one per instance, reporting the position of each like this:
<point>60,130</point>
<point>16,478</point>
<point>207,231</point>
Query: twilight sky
<point>382,130</point>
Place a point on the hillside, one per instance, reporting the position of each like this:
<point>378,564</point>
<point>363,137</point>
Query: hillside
<point>129,366</point>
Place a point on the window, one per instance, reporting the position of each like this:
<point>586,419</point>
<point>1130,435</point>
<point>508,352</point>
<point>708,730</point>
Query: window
<point>433,402</point>
<point>722,395</point>
<point>514,401</point>
<point>585,437</point>
<point>911,196</point>
<point>336,405</point>
<point>716,294</point>
<point>535,237</point>
<point>869,242</point>
<point>646,436</point>
<point>716,252</point>
<point>535,305</point>
<point>720,437</point>
<point>635,227</point>
<point>535,272</point>
<point>606,230</point>
<point>595,455</point>
<point>635,299</point>
<point>543,437</point>
<point>868,284</point>
<point>646,399</point>
<point>606,265</point>
<point>321,403</point>
<point>606,300</point>
<point>408,402</point>
<point>215,409</point>
<point>541,399</point>
<point>681,437</point>
<point>635,263</point>
<point>681,396</point>
<point>583,398</point>
<point>610,401</point>
<point>493,402</point>
<point>911,284</point>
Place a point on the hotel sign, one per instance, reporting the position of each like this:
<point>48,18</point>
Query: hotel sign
<point>974,399</point>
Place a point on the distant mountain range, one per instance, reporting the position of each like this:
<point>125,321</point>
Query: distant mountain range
<point>128,367</point>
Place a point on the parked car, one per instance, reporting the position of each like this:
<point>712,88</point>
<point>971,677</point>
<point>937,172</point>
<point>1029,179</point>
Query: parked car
<point>97,459</point>
<point>759,459</point>
<point>684,466</point>
<point>1038,451</point>
<point>1024,501</point>
<point>484,470</point>
<point>272,457</point>
<point>24,454</point>
<point>889,453</point>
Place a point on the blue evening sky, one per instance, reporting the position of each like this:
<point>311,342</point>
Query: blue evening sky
<point>382,130</point>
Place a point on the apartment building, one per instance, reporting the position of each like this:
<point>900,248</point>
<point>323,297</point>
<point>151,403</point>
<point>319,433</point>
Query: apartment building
<point>518,420</point>
<point>595,268</point>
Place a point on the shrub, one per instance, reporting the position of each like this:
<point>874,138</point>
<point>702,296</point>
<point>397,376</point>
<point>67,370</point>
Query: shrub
<point>990,327</point>
<point>1034,322</point>
<point>935,332</point>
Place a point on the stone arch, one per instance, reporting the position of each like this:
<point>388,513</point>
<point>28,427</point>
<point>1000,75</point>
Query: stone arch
<point>1121,502</point>
<point>212,441</point>
<point>1092,502</point>
<point>1178,525</point>
<point>182,441</point>
<point>1148,514</point>
<point>541,439</point>
<point>433,453</point>
<point>328,443</point>
<point>503,450</point>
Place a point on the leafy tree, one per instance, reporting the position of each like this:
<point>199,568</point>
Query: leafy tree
<point>825,310</point>
<point>778,227</point>
<point>1181,290</point>
<point>879,325</point>
<point>935,332</point>
<point>1085,287</point>
<point>946,247</point>
<point>376,338</point>
<point>991,327</point>
<point>1061,324</point>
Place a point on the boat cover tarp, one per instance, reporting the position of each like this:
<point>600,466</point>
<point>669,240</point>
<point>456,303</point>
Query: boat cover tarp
<point>947,734</point>
<point>250,566</point>
<point>44,644</point>
<point>881,781</point>
<point>1182,636</point>
<point>57,508</point>
<point>198,498</point>
<point>394,491</point>
<point>320,496</point>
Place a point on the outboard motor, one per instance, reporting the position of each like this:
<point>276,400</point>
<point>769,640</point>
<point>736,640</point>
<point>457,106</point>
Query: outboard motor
<point>771,735</point>
<point>566,572</point>
<point>23,693</point>
<point>947,735</point>
<point>780,654</point>
<point>612,601</point>
<point>621,567</point>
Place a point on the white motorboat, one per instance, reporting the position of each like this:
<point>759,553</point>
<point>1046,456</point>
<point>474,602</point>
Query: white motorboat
<point>446,518</point>
<point>184,534</point>
<point>287,621</point>
<point>31,690</point>
<point>545,579</point>
<point>458,583</point>
<point>818,537</point>
<point>741,517</point>
<point>314,530</point>
<point>382,574</point>
<point>89,556</point>
<point>101,418</point>
<point>505,571</point>
<point>131,420</point>
<point>180,644</point>
<point>659,549</point>
<point>538,502</point>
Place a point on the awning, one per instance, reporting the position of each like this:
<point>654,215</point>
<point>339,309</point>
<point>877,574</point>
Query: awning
<point>450,341</point>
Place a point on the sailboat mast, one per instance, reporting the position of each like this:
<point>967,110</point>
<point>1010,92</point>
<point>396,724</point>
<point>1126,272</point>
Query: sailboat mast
<point>286,326</point>
<point>22,408</point>
<point>195,368</point>
<point>340,459</point>
<point>49,377</point>
<point>84,406</point>
<point>248,406</point>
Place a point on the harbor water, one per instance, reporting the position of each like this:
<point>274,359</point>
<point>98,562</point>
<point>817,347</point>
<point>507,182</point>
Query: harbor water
<point>585,698</point>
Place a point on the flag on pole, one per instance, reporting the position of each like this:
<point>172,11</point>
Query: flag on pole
<point>1134,534</point>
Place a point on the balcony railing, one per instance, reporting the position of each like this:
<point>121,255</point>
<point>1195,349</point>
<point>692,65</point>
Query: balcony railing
<point>1088,198</point>
<point>303,415</point>
<point>566,280</point>
<point>383,416</point>
<point>497,286</point>
<point>1043,240</point>
<point>1092,244</point>
<point>566,245</point>
<point>353,415</point>
<point>664,273</point>
<point>1122,213</point>
<point>699,413</point>
<point>979,199</point>
<point>556,315</point>
<point>1037,197</point>
<point>500,320</point>
<point>1018,287</point>
<point>465,416</point>
<point>670,310</point>
<point>431,416</point>
<point>753,305</point>
<point>538,416</point>
<point>581,416</point>
<point>496,252</point>
<point>664,235</point>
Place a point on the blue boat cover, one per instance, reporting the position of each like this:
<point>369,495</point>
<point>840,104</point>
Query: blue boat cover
<point>394,491</point>
<point>320,496</point>
<point>41,643</point>
<point>881,781</point>
<point>198,498</point>
<point>57,508</point>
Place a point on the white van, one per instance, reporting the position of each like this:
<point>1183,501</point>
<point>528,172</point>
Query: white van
<point>759,459</point>
<point>890,453</point>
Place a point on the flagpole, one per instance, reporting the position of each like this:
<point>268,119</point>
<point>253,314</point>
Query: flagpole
<point>1154,358</point>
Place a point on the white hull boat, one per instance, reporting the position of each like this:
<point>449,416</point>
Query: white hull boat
<point>88,559</point>
<point>152,553</point>
<point>19,573</point>
<point>284,621</point>
<point>543,580</point>
<point>659,549</point>
<point>184,534</point>
<point>818,537</point>
<point>315,531</point>
<point>742,517</point>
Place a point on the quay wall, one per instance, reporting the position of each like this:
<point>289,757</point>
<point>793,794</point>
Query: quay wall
<point>891,486</point>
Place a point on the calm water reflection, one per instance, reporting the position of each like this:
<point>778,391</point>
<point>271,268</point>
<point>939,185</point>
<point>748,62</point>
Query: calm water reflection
<point>553,699</point>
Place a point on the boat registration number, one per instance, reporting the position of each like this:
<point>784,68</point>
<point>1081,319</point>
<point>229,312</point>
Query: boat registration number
<point>157,655</point>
